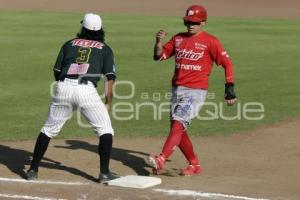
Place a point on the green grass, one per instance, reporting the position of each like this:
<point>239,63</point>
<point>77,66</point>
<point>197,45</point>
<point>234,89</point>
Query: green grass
<point>264,53</point>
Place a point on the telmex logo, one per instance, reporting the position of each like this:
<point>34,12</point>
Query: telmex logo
<point>190,55</point>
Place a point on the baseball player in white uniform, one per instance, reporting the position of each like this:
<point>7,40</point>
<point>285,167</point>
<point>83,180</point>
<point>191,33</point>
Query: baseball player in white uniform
<point>78,68</point>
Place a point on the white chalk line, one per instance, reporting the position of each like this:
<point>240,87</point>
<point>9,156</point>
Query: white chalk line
<point>204,194</point>
<point>41,181</point>
<point>168,191</point>
<point>15,196</point>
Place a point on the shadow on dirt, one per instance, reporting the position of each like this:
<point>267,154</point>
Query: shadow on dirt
<point>130,158</point>
<point>16,159</point>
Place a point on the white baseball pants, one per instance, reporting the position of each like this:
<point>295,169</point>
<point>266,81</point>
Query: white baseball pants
<point>70,95</point>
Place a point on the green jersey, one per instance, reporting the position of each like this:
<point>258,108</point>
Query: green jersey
<point>85,60</point>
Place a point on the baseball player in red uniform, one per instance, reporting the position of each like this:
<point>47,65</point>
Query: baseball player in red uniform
<point>195,51</point>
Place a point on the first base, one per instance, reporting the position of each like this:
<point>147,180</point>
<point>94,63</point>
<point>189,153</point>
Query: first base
<point>133,181</point>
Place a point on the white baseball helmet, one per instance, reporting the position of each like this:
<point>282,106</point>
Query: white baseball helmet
<point>92,22</point>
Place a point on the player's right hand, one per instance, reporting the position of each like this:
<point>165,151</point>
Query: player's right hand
<point>160,35</point>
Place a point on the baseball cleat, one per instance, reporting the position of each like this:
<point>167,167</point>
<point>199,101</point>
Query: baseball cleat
<point>31,175</point>
<point>157,162</point>
<point>191,170</point>
<point>103,178</point>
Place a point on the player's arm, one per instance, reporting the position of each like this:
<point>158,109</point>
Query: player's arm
<point>58,64</point>
<point>109,85</point>
<point>109,71</point>
<point>158,46</point>
<point>222,58</point>
<point>162,52</point>
<point>230,96</point>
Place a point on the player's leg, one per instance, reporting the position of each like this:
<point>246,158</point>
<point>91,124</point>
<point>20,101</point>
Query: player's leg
<point>187,149</point>
<point>172,141</point>
<point>104,151</point>
<point>185,144</point>
<point>186,104</point>
<point>96,114</point>
<point>59,111</point>
<point>40,148</point>
<point>174,138</point>
<point>176,131</point>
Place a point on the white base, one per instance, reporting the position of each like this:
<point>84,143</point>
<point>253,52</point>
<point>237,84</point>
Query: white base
<point>133,181</point>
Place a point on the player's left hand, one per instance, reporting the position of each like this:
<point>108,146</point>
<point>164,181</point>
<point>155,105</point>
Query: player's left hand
<point>231,102</point>
<point>230,96</point>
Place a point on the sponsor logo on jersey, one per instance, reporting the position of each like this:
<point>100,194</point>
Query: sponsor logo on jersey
<point>87,43</point>
<point>188,67</point>
<point>200,46</point>
<point>178,42</point>
<point>188,54</point>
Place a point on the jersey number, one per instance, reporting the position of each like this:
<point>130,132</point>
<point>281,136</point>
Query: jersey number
<point>84,55</point>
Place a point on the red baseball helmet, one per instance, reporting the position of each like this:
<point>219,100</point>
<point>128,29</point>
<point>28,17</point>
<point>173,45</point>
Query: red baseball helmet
<point>195,13</point>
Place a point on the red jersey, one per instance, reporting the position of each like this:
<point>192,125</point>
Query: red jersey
<point>194,57</point>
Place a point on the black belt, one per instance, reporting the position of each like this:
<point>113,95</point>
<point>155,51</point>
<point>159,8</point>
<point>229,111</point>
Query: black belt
<point>80,81</point>
<point>70,77</point>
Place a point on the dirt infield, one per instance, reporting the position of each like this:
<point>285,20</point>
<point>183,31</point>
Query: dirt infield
<point>262,163</point>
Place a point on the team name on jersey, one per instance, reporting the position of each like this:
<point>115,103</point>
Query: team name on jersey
<point>87,43</point>
<point>188,54</point>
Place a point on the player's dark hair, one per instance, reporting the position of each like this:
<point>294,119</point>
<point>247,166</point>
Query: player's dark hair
<point>91,35</point>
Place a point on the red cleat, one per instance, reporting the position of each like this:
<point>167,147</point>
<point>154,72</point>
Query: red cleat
<point>191,170</point>
<point>157,162</point>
